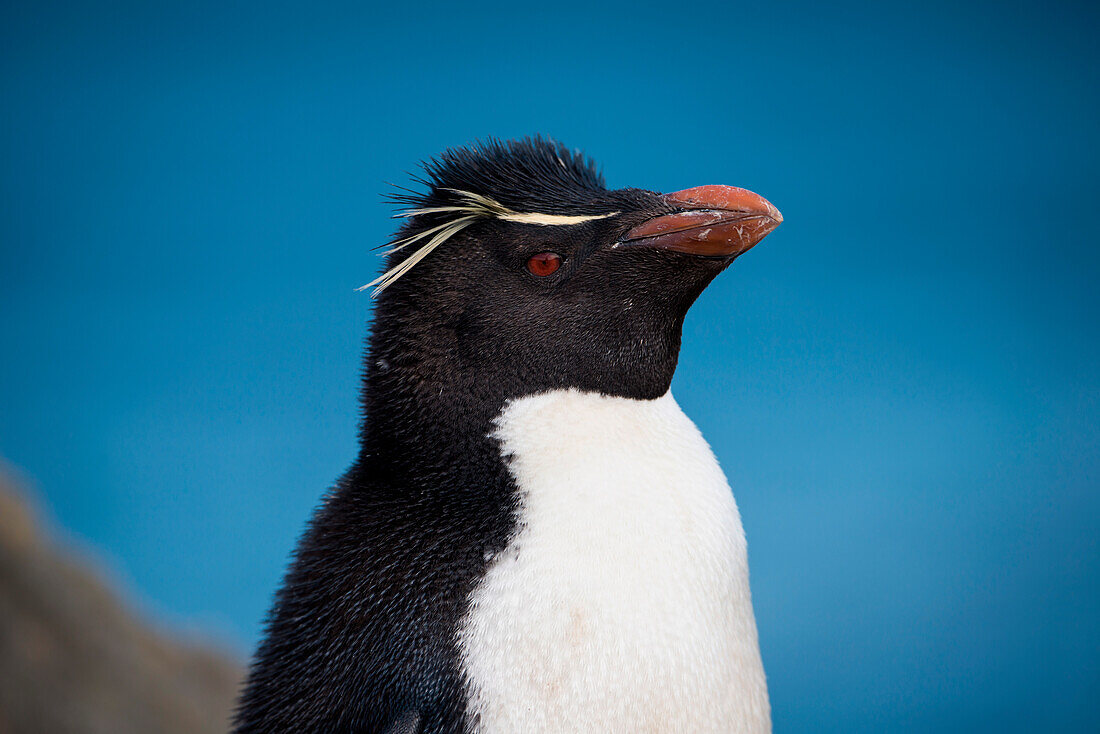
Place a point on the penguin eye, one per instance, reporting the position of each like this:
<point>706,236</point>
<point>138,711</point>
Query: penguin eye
<point>544,263</point>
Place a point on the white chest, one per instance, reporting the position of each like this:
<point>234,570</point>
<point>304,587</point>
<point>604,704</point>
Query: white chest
<point>622,603</point>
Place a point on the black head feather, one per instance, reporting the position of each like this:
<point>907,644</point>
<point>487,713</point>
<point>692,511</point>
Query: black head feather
<point>460,308</point>
<point>534,174</point>
<point>502,180</point>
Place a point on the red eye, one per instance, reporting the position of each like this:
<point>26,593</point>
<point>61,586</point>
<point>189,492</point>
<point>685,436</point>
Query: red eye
<point>544,263</point>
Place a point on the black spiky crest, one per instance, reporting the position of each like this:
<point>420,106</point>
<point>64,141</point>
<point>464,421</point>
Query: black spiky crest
<point>534,181</point>
<point>535,174</point>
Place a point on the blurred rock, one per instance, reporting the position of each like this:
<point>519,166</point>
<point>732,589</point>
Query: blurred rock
<point>75,660</point>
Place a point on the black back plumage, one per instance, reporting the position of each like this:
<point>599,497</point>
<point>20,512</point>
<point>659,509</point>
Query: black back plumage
<point>362,635</point>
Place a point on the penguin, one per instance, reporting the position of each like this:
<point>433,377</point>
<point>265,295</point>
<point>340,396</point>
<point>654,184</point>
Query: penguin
<point>533,536</point>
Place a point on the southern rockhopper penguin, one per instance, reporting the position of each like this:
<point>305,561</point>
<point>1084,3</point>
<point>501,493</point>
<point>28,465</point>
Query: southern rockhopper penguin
<point>534,537</point>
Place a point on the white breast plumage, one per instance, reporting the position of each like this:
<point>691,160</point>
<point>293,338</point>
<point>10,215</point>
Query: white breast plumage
<point>622,602</point>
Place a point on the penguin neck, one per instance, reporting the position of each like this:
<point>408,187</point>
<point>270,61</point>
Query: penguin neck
<point>430,399</point>
<point>424,415</point>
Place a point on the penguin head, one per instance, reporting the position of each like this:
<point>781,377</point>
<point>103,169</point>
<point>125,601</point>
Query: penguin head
<point>519,269</point>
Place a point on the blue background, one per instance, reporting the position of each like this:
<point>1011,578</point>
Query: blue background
<point>902,382</point>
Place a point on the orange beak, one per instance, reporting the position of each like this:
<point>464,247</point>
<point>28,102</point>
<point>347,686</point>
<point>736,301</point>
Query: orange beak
<point>717,221</point>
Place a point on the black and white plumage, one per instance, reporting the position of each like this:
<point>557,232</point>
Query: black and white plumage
<point>533,537</point>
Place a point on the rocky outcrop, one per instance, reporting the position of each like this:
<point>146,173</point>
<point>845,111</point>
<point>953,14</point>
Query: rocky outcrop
<point>74,659</point>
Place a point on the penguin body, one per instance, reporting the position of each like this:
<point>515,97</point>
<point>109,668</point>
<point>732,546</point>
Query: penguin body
<point>621,603</point>
<point>533,536</point>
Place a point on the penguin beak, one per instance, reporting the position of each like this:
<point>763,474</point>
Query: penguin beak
<point>715,221</point>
